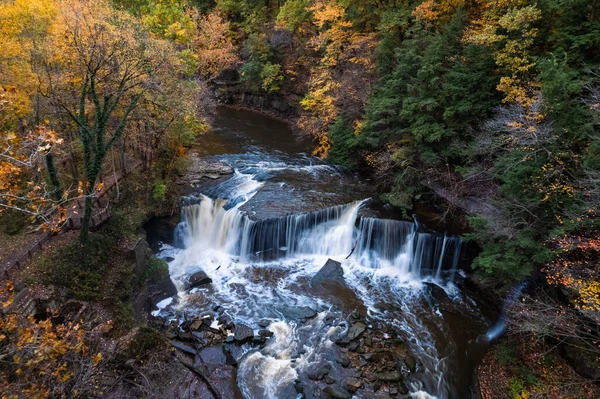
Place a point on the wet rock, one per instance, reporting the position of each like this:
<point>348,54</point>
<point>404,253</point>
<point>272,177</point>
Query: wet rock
<point>258,339</point>
<point>242,333</point>
<point>331,271</point>
<point>343,361</point>
<point>196,324</point>
<point>183,347</point>
<point>211,355</point>
<point>197,279</point>
<point>184,335</point>
<point>353,333</point>
<point>390,376</point>
<point>437,292</point>
<point>230,339</point>
<point>226,321</point>
<point>329,379</point>
<point>223,379</point>
<point>298,312</point>
<point>205,168</point>
<point>169,259</point>
<point>353,346</point>
<point>265,333</point>
<point>207,316</point>
<point>299,387</point>
<point>317,372</point>
<point>352,384</point>
<point>402,388</point>
<point>393,391</point>
<point>411,363</point>
<point>337,393</point>
<point>264,323</point>
<point>200,338</point>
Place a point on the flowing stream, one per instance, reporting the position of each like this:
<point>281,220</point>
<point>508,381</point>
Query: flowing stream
<point>263,233</point>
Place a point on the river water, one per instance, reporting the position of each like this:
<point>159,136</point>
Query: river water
<point>263,233</point>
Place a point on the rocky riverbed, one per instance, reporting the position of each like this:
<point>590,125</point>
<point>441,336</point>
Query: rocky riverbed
<point>368,358</point>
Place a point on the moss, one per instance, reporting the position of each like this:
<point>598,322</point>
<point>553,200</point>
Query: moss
<point>156,270</point>
<point>12,222</point>
<point>144,341</point>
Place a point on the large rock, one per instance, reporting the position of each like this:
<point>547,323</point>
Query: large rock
<point>331,271</point>
<point>437,292</point>
<point>389,376</point>
<point>183,347</point>
<point>205,168</point>
<point>211,355</point>
<point>197,279</point>
<point>242,333</point>
<point>337,393</point>
<point>353,333</point>
<point>298,312</point>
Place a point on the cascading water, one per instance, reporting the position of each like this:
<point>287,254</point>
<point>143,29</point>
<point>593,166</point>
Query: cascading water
<point>261,268</point>
<point>211,223</point>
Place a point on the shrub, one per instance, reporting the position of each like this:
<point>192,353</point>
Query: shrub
<point>156,269</point>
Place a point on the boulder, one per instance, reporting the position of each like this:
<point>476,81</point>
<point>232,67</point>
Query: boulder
<point>437,292</point>
<point>389,376</point>
<point>205,168</point>
<point>211,355</point>
<point>298,312</point>
<point>183,347</point>
<point>411,363</point>
<point>331,271</point>
<point>353,333</point>
<point>242,333</point>
<point>335,392</point>
<point>197,279</point>
<point>352,384</point>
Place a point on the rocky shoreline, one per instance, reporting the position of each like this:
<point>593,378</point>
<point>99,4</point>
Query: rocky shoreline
<point>367,359</point>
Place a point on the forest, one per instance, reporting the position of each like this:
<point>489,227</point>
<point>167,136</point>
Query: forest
<point>484,113</point>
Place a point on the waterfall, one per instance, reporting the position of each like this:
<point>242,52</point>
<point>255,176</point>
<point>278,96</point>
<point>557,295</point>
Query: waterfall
<point>336,231</point>
<point>499,327</point>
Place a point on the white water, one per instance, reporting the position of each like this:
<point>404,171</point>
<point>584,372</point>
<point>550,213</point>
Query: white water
<point>257,267</point>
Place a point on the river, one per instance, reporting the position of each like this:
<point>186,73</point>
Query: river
<point>263,233</point>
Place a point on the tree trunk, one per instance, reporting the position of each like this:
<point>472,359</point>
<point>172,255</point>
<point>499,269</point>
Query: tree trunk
<point>73,159</point>
<point>53,176</point>
<point>87,213</point>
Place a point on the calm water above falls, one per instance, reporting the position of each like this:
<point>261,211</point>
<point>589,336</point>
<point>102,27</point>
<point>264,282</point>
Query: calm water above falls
<point>261,236</point>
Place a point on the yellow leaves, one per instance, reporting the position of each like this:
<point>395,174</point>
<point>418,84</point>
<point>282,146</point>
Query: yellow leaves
<point>213,44</point>
<point>97,358</point>
<point>426,11</point>
<point>326,12</point>
<point>507,28</point>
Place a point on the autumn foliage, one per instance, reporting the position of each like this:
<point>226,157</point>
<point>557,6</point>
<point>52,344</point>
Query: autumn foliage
<point>46,358</point>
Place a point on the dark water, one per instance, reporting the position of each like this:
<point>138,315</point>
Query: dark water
<point>262,234</point>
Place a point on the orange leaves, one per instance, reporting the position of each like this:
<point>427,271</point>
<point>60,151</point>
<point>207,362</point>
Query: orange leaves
<point>426,11</point>
<point>45,355</point>
<point>214,48</point>
<point>97,358</point>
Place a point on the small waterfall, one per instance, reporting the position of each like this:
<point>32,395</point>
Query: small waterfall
<point>499,327</point>
<point>335,231</point>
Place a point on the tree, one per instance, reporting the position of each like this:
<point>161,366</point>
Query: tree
<point>102,66</point>
<point>213,46</point>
